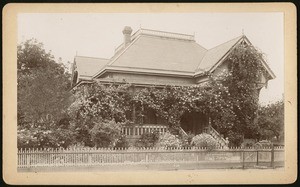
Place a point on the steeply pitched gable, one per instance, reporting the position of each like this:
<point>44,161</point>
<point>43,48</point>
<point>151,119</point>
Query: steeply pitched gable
<point>214,55</point>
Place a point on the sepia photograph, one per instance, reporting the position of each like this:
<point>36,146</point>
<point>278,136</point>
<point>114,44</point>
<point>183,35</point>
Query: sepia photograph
<point>150,92</point>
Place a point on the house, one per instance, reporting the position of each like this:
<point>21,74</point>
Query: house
<point>150,57</point>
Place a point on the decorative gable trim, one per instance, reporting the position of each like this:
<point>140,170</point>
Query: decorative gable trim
<point>243,39</point>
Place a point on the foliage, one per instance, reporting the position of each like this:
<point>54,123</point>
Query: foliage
<point>168,140</point>
<point>204,140</point>
<point>230,99</point>
<point>32,55</point>
<point>148,139</point>
<point>171,102</point>
<point>96,100</point>
<point>42,84</point>
<point>42,98</point>
<point>122,142</point>
<point>78,146</point>
<point>186,140</point>
<point>241,79</point>
<point>271,121</point>
<point>99,104</point>
<point>105,133</point>
<point>235,138</point>
<point>263,144</point>
<point>46,135</point>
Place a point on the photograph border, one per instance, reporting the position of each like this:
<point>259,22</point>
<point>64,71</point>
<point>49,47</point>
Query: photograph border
<point>211,176</point>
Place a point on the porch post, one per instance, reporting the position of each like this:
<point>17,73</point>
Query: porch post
<point>133,113</point>
<point>142,118</point>
<point>209,122</point>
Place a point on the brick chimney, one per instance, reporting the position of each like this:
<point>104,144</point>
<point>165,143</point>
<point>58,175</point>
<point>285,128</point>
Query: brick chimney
<point>127,35</point>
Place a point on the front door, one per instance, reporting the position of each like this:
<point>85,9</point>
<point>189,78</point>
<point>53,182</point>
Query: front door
<point>194,122</point>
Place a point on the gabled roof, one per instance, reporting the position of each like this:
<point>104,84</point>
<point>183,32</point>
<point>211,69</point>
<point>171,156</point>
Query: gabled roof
<point>88,66</point>
<point>214,55</point>
<point>158,52</point>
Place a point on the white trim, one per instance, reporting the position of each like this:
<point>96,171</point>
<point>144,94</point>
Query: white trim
<point>139,84</point>
<point>167,34</point>
<point>203,80</point>
<point>150,71</point>
<point>81,82</point>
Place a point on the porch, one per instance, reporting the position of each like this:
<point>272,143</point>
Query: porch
<point>190,122</point>
<point>135,132</point>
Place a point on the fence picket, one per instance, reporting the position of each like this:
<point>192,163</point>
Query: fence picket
<point>28,158</point>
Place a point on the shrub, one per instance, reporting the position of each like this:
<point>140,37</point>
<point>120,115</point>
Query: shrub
<point>168,140</point>
<point>122,142</point>
<point>44,135</point>
<point>105,134</point>
<point>204,140</point>
<point>263,144</point>
<point>148,139</point>
<point>186,140</point>
<point>78,146</point>
<point>235,139</point>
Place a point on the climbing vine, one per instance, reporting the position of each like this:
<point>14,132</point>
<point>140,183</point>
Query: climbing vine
<point>98,112</point>
<point>229,98</point>
<point>171,102</point>
<point>242,78</point>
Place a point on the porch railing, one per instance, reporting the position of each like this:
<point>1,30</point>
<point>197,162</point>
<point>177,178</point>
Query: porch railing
<point>216,135</point>
<point>138,130</point>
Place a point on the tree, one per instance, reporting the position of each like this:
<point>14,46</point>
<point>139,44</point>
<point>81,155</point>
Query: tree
<point>43,97</point>
<point>271,121</point>
<point>98,111</point>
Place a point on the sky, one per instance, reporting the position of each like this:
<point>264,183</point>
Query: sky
<point>97,35</point>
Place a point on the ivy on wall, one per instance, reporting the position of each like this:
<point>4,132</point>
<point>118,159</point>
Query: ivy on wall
<point>230,99</point>
<point>244,74</point>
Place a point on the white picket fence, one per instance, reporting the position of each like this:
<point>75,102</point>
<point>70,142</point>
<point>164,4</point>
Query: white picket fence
<point>30,158</point>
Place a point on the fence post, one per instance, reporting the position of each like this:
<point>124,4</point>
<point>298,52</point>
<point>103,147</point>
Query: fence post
<point>146,157</point>
<point>89,159</point>
<point>257,158</point>
<point>272,156</point>
<point>243,157</point>
<point>27,158</point>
